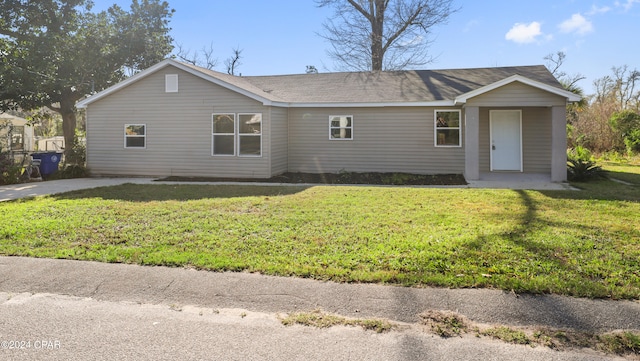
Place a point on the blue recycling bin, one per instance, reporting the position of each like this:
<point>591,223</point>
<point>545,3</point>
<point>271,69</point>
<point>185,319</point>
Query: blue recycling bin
<point>48,162</point>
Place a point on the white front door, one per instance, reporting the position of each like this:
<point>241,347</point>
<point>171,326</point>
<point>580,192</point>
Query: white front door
<point>506,140</point>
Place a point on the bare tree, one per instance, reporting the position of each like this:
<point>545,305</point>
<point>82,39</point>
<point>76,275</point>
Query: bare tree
<point>625,81</point>
<point>554,62</point>
<point>620,88</point>
<point>233,61</point>
<point>203,58</point>
<point>613,94</point>
<point>569,82</point>
<point>383,34</point>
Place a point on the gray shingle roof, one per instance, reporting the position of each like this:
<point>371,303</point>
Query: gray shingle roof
<point>377,87</point>
<point>362,88</point>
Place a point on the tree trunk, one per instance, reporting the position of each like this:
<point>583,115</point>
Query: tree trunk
<point>377,29</point>
<point>68,113</point>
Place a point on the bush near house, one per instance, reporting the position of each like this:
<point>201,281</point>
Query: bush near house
<point>627,124</point>
<point>75,160</point>
<point>580,165</point>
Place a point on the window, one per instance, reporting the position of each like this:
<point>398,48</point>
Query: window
<point>341,127</point>
<point>17,137</point>
<point>224,127</point>
<point>248,133</point>
<point>135,136</point>
<point>447,128</point>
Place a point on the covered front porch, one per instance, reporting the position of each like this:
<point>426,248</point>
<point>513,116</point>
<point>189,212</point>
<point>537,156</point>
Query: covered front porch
<point>516,125</point>
<point>533,140</point>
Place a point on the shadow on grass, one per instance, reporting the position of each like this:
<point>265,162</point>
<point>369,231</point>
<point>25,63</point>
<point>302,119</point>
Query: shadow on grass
<point>549,308</point>
<point>631,178</point>
<point>179,192</point>
<point>555,259</point>
<point>599,189</point>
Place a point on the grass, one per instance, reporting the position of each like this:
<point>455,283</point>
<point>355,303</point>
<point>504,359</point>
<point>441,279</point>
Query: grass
<point>622,173</point>
<point>321,319</point>
<point>445,323</point>
<point>507,334</point>
<point>450,324</point>
<point>579,243</point>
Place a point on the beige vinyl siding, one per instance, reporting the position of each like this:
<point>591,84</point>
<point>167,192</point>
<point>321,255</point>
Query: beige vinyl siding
<point>178,127</point>
<point>392,139</point>
<point>279,140</point>
<point>536,139</point>
<point>517,94</point>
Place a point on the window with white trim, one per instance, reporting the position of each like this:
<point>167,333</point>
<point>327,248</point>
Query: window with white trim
<point>341,127</point>
<point>135,136</point>
<point>223,136</point>
<point>249,134</point>
<point>243,129</point>
<point>448,132</point>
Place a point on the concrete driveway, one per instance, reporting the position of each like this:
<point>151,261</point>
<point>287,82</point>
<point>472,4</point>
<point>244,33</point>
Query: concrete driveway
<point>25,190</point>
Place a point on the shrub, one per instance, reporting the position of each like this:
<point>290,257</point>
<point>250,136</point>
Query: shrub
<point>10,171</point>
<point>580,165</point>
<point>632,141</point>
<point>77,154</point>
<point>74,165</point>
<point>613,156</point>
<point>72,171</point>
<point>627,123</point>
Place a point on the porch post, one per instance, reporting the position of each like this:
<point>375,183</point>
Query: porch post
<point>472,143</point>
<point>558,144</point>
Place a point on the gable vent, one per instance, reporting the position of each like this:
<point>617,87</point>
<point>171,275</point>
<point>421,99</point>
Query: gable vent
<point>171,83</point>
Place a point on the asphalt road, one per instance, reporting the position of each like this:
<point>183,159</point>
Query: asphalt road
<point>69,310</point>
<point>76,328</point>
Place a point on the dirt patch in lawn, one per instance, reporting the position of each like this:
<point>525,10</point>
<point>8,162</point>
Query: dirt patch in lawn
<point>340,178</point>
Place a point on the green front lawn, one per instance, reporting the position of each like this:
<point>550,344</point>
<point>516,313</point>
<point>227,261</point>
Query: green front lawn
<point>581,243</point>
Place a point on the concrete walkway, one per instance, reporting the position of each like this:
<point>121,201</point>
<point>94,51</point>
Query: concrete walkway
<point>25,190</point>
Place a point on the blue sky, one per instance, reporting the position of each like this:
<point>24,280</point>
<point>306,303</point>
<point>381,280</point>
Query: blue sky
<point>280,36</point>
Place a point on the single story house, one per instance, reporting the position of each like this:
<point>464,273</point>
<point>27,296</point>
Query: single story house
<point>183,120</point>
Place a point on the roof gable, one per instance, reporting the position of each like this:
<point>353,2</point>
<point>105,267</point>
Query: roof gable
<point>13,119</point>
<point>397,88</point>
<point>517,78</point>
<point>236,84</point>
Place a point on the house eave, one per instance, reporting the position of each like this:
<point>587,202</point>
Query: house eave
<point>569,96</point>
<point>439,103</point>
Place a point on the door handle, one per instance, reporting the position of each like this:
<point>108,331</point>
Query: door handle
<point>493,147</point>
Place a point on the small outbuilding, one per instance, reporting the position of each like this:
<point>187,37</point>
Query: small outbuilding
<point>16,134</point>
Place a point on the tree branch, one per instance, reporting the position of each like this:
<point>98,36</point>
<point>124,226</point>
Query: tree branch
<point>361,10</point>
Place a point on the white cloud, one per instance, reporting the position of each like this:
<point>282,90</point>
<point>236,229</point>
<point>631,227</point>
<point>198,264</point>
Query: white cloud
<point>627,5</point>
<point>577,24</point>
<point>596,10</point>
<point>524,33</point>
